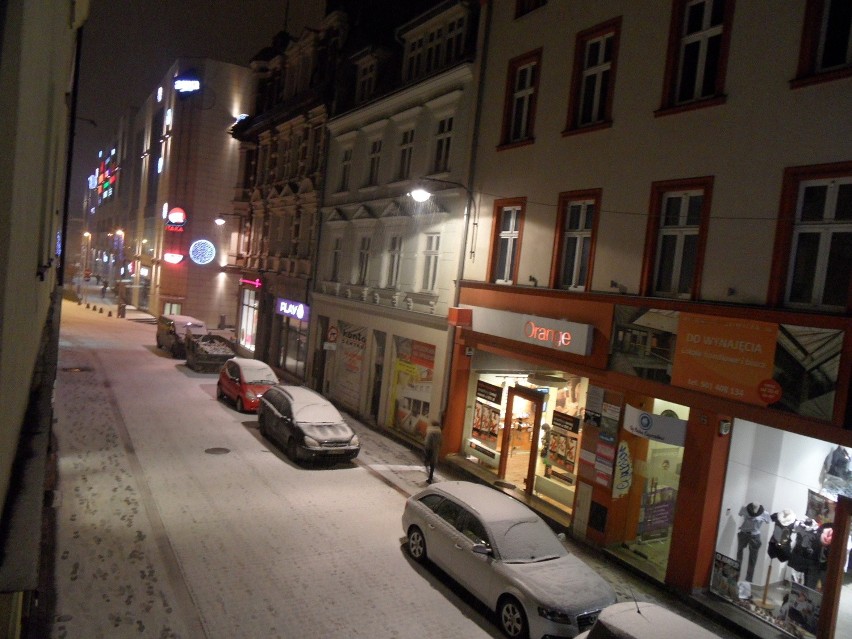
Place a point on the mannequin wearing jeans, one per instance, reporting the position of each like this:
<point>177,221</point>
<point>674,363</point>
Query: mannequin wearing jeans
<point>754,516</point>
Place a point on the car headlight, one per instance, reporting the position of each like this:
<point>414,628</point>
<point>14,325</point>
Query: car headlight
<point>250,395</point>
<point>554,615</point>
<point>354,441</point>
<point>310,441</point>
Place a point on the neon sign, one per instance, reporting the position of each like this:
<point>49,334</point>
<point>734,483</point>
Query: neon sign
<point>556,337</point>
<point>256,283</point>
<point>187,85</point>
<point>291,309</point>
<point>176,220</point>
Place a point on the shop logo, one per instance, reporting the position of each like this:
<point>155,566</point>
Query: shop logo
<point>556,338</point>
<point>645,422</point>
<point>292,309</point>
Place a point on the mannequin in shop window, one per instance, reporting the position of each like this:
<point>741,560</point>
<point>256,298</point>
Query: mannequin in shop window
<point>781,541</point>
<point>805,555</point>
<point>754,516</point>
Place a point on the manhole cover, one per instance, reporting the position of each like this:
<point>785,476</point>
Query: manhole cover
<point>77,369</point>
<point>217,451</point>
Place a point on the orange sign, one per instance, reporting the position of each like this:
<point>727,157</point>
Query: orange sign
<point>732,358</point>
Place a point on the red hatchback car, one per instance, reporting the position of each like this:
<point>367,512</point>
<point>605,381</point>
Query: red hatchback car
<point>244,381</point>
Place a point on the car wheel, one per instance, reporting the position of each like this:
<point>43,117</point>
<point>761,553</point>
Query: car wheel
<point>416,544</point>
<point>512,619</point>
<point>219,394</point>
<point>239,404</point>
<point>159,342</point>
<point>261,425</point>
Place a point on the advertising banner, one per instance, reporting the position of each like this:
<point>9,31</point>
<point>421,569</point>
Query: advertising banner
<point>411,393</point>
<point>726,357</point>
<point>350,364</point>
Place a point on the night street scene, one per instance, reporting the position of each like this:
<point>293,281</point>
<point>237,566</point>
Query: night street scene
<point>455,318</point>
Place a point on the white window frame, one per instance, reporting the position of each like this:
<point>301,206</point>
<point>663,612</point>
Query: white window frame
<point>393,261</point>
<point>507,238</point>
<point>345,169</point>
<point>595,70</point>
<point>374,161</point>
<point>522,97</point>
<point>679,231</point>
<point>825,228</point>
<point>431,258</point>
<point>443,144</point>
<point>363,260</point>
<point>406,151</point>
<point>335,259</point>
<point>581,235</point>
<point>702,37</point>
<point>366,82</point>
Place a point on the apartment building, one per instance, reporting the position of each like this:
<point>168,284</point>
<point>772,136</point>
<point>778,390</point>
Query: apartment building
<point>653,327</point>
<point>394,211</point>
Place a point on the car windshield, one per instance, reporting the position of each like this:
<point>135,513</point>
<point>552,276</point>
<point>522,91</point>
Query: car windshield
<point>258,374</point>
<point>317,414</point>
<point>526,541</point>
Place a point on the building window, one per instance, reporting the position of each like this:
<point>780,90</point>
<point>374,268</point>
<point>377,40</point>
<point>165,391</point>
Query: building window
<point>374,159</point>
<point>575,232</point>
<point>406,148</point>
<point>363,260</point>
<point>820,245</point>
<point>593,81</point>
<point>443,138</point>
<point>345,169</point>
<point>248,318</point>
<point>366,82</point>
<point>523,7</point>
<point>431,254</point>
<point>454,46</point>
<point>698,52</point>
<point>336,256</point>
<point>676,236</point>
<point>394,257</point>
<point>519,109</point>
<point>508,221</point>
<point>434,47</point>
<point>414,57</point>
<point>826,49</point>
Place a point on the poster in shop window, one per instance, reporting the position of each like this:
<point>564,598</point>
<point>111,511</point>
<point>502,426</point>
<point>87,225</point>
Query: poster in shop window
<point>411,394</point>
<point>350,365</point>
<point>724,580</point>
<point>486,423</point>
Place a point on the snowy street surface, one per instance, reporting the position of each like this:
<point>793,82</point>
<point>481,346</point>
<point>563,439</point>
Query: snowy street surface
<point>175,518</point>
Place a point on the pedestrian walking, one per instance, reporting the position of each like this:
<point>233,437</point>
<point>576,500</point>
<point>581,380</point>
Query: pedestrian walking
<point>432,447</point>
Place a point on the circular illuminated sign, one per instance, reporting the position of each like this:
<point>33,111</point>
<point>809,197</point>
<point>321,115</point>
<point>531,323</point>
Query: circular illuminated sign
<point>202,252</point>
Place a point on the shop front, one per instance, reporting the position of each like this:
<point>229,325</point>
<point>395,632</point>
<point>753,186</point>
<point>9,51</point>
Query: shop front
<point>663,434</point>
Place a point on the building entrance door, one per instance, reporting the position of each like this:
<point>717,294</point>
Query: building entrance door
<point>520,429</point>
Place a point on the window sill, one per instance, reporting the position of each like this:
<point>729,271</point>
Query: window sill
<point>819,77</point>
<point>588,128</point>
<point>674,109</point>
<point>513,145</point>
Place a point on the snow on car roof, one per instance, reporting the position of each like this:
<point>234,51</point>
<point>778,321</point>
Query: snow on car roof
<point>643,620</point>
<point>308,405</point>
<point>490,504</point>
<point>248,364</point>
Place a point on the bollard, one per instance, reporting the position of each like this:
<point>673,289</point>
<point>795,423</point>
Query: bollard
<point>88,305</point>
<point>109,314</point>
<point>102,310</point>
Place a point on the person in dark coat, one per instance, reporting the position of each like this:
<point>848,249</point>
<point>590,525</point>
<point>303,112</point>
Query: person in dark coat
<point>432,447</point>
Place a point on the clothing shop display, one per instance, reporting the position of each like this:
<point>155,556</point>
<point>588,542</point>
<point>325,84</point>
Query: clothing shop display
<point>754,516</point>
<point>836,474</point>
<point>781,542</point>
<point>805,555</point>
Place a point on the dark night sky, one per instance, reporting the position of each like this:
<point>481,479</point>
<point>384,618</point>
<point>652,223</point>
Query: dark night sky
<point>128,45</point>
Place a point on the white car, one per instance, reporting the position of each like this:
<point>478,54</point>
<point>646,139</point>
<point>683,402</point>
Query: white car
<point>506,556</point>
<point>642,620</point>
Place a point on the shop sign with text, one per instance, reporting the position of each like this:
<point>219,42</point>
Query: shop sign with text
<point>732,358</point>
<point>290,308</point>
<point>668,430</point>
<point>560,335</point>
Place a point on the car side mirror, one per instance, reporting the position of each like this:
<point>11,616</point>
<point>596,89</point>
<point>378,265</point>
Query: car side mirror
<point>481,549</point>
<point>561,537</point>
